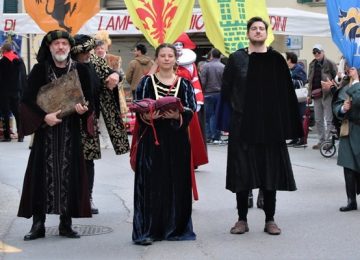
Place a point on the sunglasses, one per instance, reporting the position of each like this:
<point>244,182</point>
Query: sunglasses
<point>316,52</point>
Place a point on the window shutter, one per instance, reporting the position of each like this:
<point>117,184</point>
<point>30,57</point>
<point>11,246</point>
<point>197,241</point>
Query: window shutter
<point>10,6</point>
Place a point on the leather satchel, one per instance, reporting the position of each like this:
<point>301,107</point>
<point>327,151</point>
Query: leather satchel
<point>61,94</point>
<point>344,128</point>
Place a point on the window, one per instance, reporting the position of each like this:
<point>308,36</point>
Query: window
<point>114,4</point>
<point>312,2</point>
<point>10,6</point>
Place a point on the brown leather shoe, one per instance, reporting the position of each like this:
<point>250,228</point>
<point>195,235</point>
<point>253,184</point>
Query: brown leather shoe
<point>240,227</point>
<point>271,228</point>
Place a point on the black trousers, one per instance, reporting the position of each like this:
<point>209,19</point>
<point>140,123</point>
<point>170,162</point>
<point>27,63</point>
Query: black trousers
<point>90,170</point>
<point>352,184</point>
<point>269,204</point>
<point>10,105</point>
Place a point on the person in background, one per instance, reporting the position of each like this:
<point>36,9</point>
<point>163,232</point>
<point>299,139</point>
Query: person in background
<point>55,180</point>
<point>186,68</point>
<point>106,100</point>
<point>321,71</point>
<point>162,192</point>
<point>211,80</point>
<point>346,106</point>
<point>103,43</point>
<point>138,67</point>
<point>299,79</point>
<point>257,153</point>
<point>12,81</point>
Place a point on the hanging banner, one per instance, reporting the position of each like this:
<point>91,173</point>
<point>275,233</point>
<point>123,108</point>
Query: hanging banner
<point>344,19</point>
<point>225,22</point>
<point>285,21</point>
<point>160,20</point>
<point>69,15</point>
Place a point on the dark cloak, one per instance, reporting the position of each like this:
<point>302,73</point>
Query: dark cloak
<point>265,114</point>
<point>55,186</point>
<point>162,194</point>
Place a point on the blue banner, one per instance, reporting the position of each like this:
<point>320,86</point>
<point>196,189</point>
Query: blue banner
<point>15,40</point>
<point>345,28</point>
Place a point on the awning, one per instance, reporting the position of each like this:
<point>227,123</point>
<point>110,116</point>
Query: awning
<point>285,21</point>
<point>288,21</point>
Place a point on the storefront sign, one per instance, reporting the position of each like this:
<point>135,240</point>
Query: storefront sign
<point>283,21</point>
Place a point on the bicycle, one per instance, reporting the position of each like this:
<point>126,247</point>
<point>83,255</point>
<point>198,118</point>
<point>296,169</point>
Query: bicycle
<point>328,147</point>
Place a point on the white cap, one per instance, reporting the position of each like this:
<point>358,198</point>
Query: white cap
<point>318,47</point>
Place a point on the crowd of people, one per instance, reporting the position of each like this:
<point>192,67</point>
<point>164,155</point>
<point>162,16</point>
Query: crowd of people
<point>170,144</point>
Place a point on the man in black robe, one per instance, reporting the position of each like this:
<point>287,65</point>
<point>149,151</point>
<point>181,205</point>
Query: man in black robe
<point>258,86</point>
<point>55,180</point>
<point>106,99</point>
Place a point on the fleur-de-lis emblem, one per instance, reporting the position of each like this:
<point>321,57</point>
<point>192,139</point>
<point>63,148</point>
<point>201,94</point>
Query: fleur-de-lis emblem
<point>157,17</point>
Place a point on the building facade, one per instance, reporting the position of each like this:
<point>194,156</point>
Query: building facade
<point>123,45</point>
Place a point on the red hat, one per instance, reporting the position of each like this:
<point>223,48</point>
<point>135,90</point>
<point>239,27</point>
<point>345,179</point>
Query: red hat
<point>186,41</point>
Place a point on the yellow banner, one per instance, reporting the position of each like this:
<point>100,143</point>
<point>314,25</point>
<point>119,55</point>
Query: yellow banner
<point>225,22</point>
<point>160,20</point>
<point>68,15</point>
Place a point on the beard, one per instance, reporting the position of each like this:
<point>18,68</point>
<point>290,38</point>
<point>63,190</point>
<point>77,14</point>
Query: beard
<point>60,57</point>
<point>257,42</point>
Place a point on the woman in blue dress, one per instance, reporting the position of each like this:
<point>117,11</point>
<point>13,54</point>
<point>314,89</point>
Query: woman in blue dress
<point>162,192</point>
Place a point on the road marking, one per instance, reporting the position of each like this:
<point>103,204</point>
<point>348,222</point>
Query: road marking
<point>4,248</point>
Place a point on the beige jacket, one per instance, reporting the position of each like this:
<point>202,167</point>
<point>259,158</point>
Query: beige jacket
<point>138,67</point>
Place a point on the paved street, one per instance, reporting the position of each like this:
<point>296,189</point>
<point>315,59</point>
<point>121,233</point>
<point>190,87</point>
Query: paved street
<point>312,226</point>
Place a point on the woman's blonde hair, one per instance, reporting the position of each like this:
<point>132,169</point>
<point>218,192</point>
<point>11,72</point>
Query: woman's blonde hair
<point>103,35</point>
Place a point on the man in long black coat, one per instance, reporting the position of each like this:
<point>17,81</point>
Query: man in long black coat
<point>12,76</point>
<point>55,180</point>
<point>258,86</point>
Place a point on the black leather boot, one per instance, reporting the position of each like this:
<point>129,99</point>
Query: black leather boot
<point>91,173</point>
<point>38,228</point>
<point>250,199</point>
<point>260,200</point>
<point>65,229</point>
<point>352,205</point>
<point>94,209</point>
<point>350,185</point>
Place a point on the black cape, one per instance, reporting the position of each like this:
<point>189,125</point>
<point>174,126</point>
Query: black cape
<point>264,114</point>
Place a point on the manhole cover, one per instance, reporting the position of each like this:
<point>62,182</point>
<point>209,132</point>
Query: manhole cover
<point>83,230</point>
